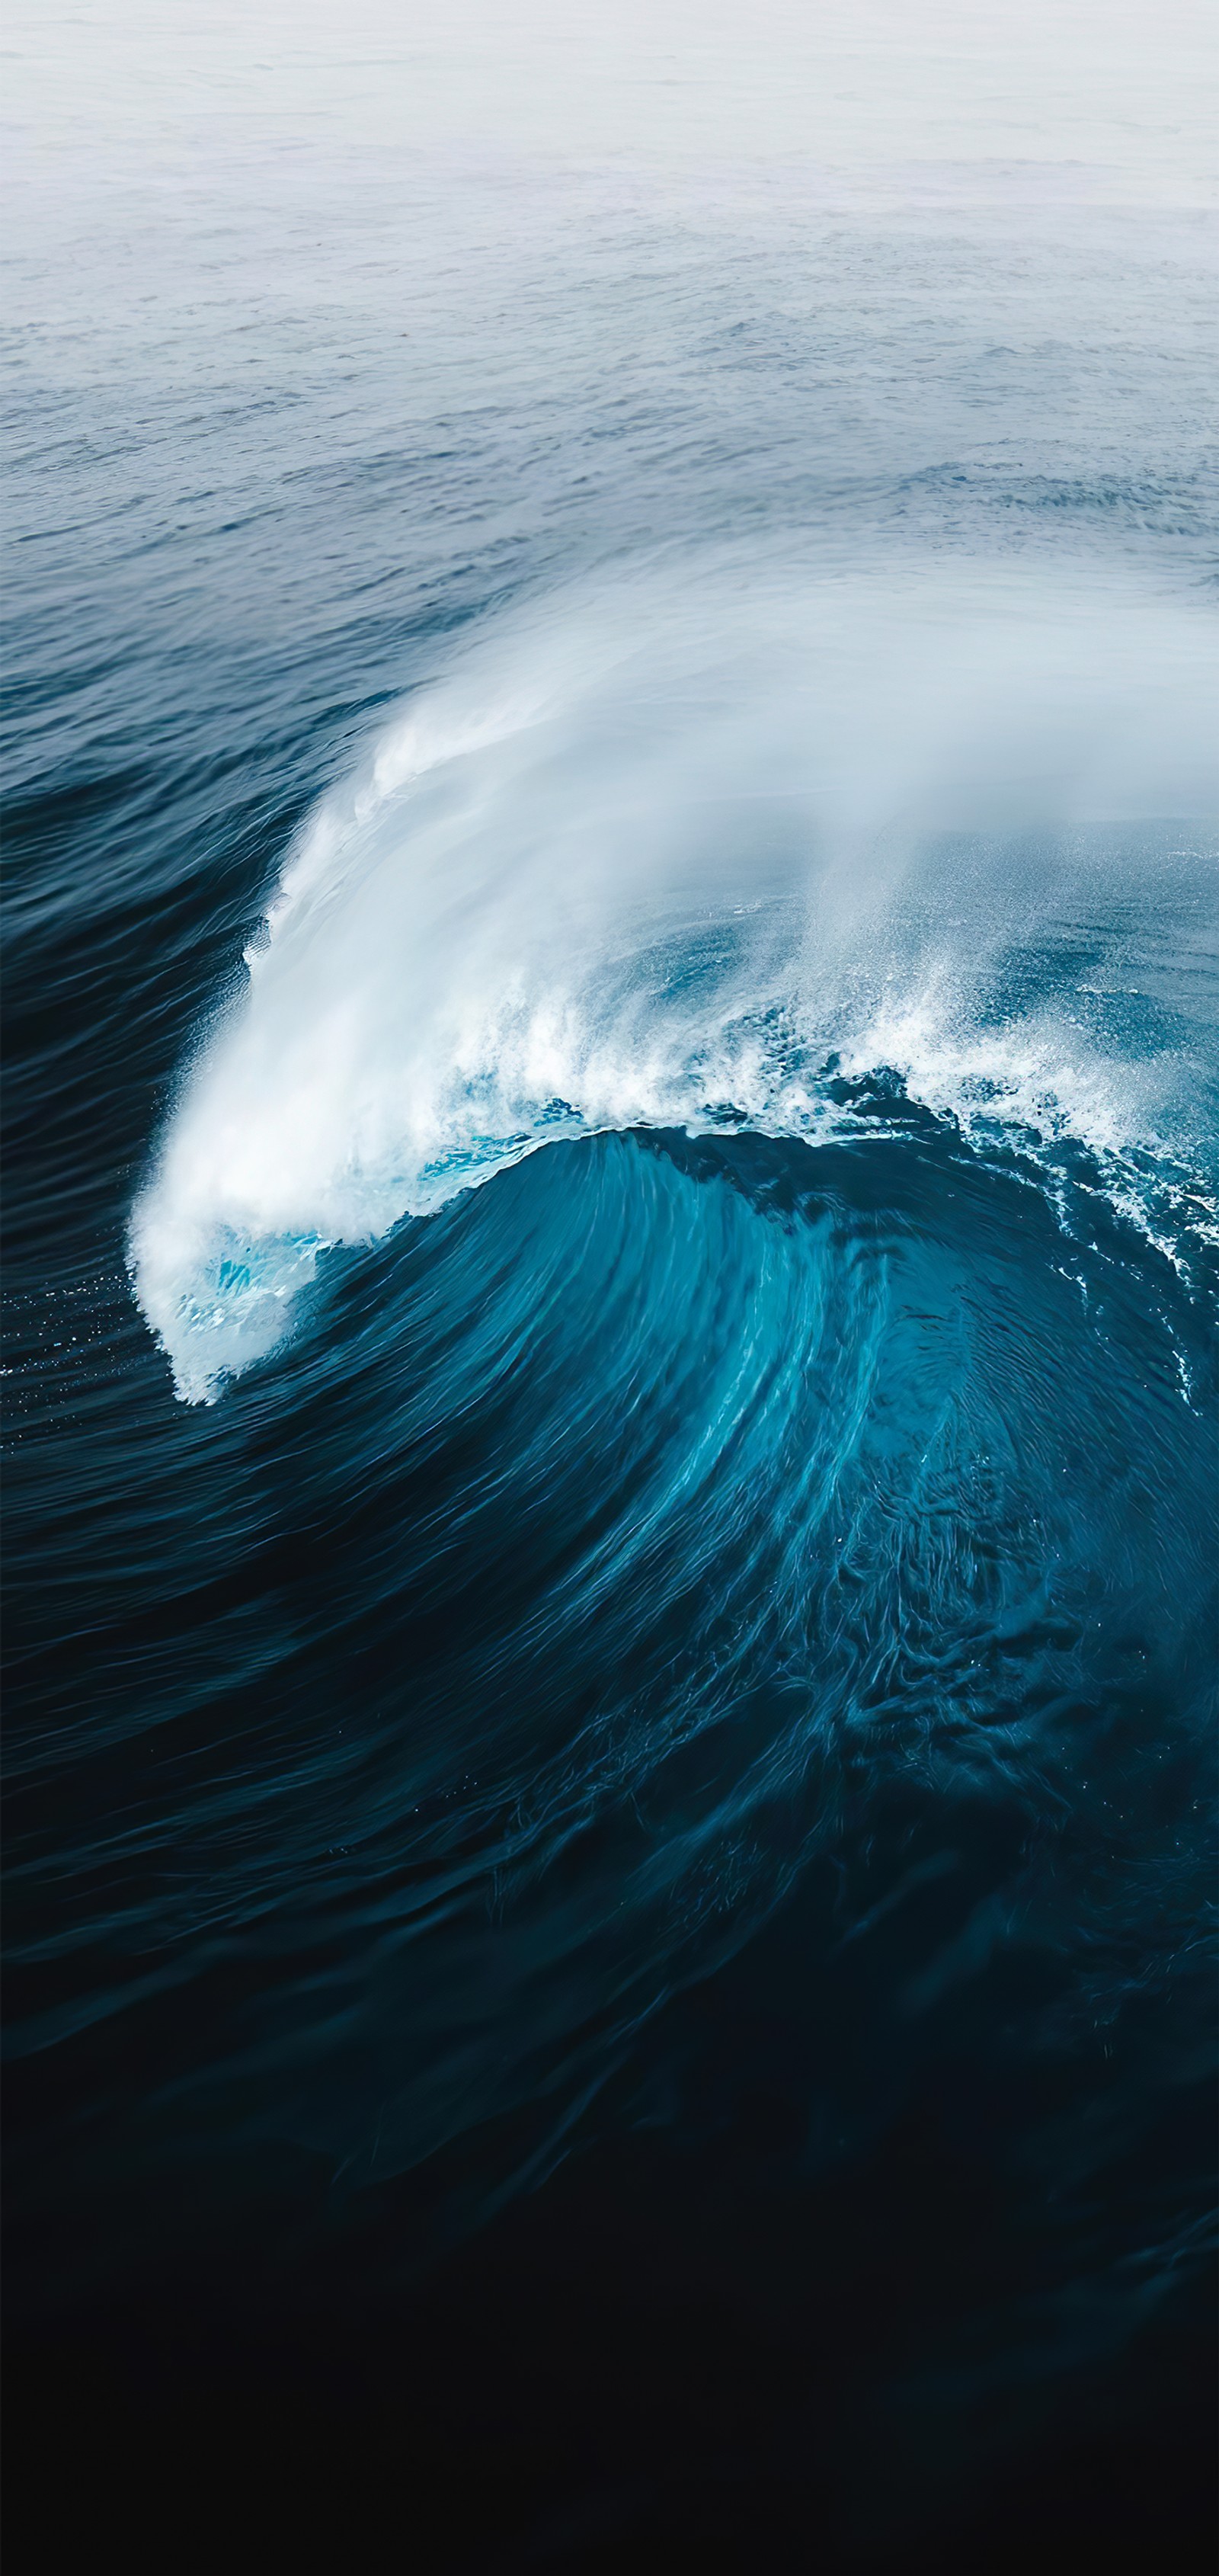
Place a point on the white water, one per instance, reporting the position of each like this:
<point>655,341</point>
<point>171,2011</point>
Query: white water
<point>655,853</point>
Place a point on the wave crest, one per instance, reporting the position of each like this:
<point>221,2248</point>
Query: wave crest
<point>706,854</point>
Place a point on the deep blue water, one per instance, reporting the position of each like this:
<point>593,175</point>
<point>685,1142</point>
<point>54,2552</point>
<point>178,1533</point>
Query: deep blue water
<point>612,1134</point>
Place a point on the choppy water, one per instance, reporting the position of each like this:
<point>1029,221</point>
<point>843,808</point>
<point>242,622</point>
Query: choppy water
<point>612,986</point>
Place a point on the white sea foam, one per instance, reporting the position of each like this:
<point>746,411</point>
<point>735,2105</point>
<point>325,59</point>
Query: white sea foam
<point>655,858</point>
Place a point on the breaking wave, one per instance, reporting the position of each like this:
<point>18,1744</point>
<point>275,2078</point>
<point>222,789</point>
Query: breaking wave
<point>716,850</point>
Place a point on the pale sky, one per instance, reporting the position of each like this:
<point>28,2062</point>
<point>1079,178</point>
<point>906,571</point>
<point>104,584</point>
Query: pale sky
<point>1119,96</point>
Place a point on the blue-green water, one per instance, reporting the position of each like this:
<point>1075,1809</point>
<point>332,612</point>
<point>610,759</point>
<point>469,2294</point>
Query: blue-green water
<point>611,1212</point>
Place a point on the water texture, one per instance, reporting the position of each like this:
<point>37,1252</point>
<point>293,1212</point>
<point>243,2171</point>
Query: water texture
<point>613,1132</point>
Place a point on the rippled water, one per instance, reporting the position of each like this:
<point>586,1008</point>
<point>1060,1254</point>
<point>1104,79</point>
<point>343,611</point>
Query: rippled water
<point>611,1258</point>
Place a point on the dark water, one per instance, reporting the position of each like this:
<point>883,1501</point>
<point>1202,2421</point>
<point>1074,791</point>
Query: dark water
<point>611,1442</point>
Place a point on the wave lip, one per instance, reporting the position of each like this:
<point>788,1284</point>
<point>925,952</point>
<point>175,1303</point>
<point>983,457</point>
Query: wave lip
<point>688,858</point>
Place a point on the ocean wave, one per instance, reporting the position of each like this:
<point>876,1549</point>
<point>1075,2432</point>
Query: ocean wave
<point>718,850</point>
<point>729,1494</point>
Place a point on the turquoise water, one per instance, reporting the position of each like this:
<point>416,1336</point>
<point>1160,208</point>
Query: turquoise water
<point>611,1229</point>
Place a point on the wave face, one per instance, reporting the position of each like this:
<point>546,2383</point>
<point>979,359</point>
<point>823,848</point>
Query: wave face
<point>613,1112</point>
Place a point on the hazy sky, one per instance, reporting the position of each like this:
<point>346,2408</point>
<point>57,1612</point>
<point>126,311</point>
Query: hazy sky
<point>1121,94</point>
